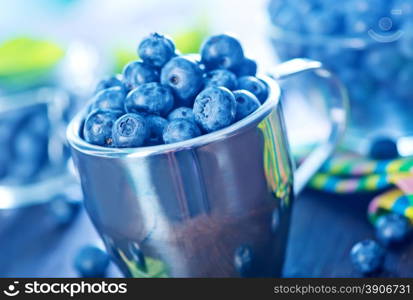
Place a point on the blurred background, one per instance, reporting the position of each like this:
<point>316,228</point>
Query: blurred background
<point>54,52</point>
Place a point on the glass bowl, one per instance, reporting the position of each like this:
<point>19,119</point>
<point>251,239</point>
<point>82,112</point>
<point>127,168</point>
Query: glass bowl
<point>376,66</point>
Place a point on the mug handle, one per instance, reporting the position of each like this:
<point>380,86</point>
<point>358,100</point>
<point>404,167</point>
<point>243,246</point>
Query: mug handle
<point>337,112</point>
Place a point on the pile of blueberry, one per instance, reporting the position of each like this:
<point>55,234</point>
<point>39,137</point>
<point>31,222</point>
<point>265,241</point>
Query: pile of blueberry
<point>25,156</point>
<point>24,134</point>
<point>368,43</point>
<point>166,97</point>
<point>391,230</point>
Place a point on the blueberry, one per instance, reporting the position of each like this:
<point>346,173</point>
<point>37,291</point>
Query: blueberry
<point>322,23</point>
<point>383,148</point>
<point>367,256</point>
<point>392,228</point>
<point>406,42</point>
<point>30,155</point>
<point>180,130</point>
<point>383,63</point>
<point>255,86</point>
<point>98,125</point>
<point>38,122</point>
<point>362,86</point>
<point>288,18</point>
<point>64,210</point>
<point>153,98</point>
<point>182,113</point>
<point>248,67</point>
<point>5,157</point>
<point>91,261</point>
<point>184,76</point>
<point>130,130</point>
<point>363,15</point>
<point>246,103</point>
<point>156,127</point>
<point>30,146</point>
<point>136,73</point>
<point>109,99</point>
<point>221,51</point>
<point>359,23</point>
<point>221,77</point>
<point>156,50</point>
<point>404,87</point>
<point>243,261</point>
<point>214,108</point>
<point>110,81</point>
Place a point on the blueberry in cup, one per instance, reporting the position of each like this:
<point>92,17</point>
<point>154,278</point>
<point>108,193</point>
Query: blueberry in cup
<point>166,98</point>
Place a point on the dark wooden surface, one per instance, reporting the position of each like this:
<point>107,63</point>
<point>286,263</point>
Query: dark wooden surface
<point>324,227</point>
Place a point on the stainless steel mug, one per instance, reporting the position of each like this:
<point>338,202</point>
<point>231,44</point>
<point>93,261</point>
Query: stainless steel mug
<point>218,205</point>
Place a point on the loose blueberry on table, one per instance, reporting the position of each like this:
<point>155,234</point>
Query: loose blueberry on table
<point>367,257</point>
<point>392,228</point>
<point>91,262</point>
<point>168,98</point>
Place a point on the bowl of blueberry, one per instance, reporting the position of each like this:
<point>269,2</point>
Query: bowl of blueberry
<point>35,108</point>
<point>368,44</point>
<point>181,152</point>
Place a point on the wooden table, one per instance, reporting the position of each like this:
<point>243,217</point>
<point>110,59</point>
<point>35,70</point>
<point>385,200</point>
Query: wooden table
<point>324,228</point>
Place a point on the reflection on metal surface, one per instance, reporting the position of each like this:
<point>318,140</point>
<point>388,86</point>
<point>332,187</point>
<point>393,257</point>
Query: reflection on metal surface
<point>276,163</point>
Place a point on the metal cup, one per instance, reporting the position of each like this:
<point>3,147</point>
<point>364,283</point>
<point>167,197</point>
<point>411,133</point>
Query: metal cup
<point>218,205</point>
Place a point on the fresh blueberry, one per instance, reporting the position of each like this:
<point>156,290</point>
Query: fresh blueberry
<point>38,121</point>
<point>383,63</point>
<point>362,86</point>
<point>214,108</point>
<point>392,228</point>
<point>110,81</point>
<point>29,145</point>
<point>136,73</point>
<point>405,6</point>
<point>91,261</point>
<point>180,130</point>
<point>184,76</point>
<point>182,113</point>
<point>97,129</point>
<point>156,125</point>
<point>153,98</point>
<point>64,210</point>
<point>248,67</point>
<point>243,261</point>
<point>367,256</point>
<point>383,148</point>
<point>221,77</point>
<point>255,86</point>
<point>288,18</point>
<point>322,23</point>
<point>362,16</point>
<point>222,51</point>
<point>109,99</point>
<point>246,103</point>
<point>156,50</point>
<point>130,130</point>
<point>30,155</point>
<point>5,154</point>
<point>404,87</point>
<point>406,42</point>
